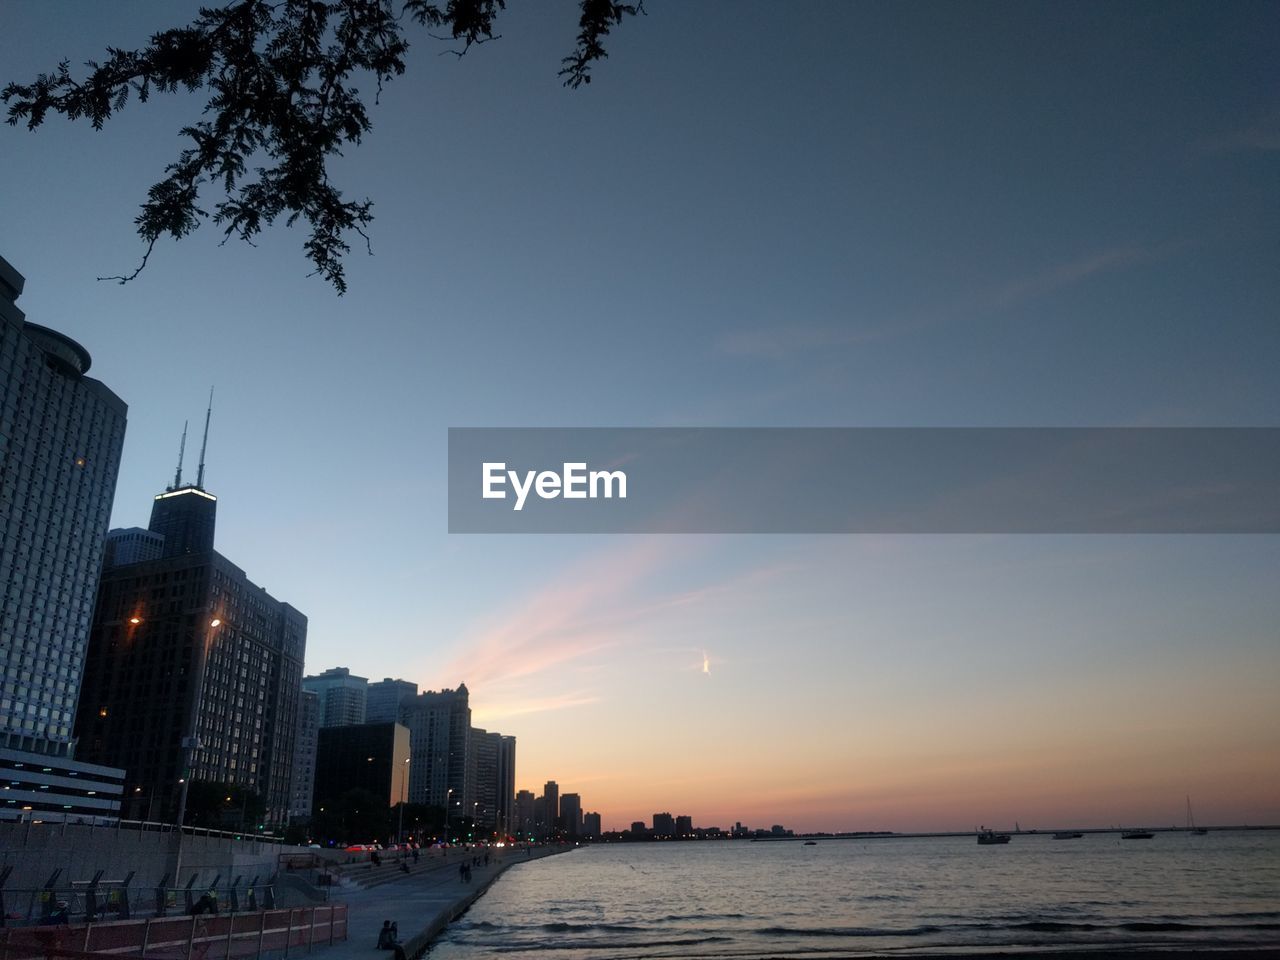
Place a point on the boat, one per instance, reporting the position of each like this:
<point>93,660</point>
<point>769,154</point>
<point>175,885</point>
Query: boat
<point>1068,835</point>
<point>811,843</point>
<point>1191,822</point>
<point>1136,835</point>
<point>988,836</point>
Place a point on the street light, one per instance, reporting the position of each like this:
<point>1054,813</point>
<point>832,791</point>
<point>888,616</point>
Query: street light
<point>191,742</point>
<point>448,812</point>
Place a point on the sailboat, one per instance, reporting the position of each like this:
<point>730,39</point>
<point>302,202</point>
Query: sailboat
<point>1191,822</point>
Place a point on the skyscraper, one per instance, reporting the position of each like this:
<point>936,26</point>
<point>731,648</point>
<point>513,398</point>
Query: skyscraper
<point>304,755</point>
<point>571,814</point>
<point>193,672</point>
<point>61,434</point>
<point>343,696</point>
<point>439,725</point>
<point>524,822</point>
<point>551,796</point>
<point>506,785</point>
<point>382,699</point>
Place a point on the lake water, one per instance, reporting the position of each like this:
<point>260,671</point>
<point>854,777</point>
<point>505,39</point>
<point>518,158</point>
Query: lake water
<point>842,898</point>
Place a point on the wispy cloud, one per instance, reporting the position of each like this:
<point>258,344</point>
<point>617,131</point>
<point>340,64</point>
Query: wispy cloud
<point>777,342</point>
<point>573,615</point>
<point>593,607</point>
<point>487,711</point>
<point>791,339</point>
<point>1057,276</point>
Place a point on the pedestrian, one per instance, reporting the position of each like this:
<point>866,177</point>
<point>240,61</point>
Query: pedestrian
<point>462,873</point>
<point>386,939</point>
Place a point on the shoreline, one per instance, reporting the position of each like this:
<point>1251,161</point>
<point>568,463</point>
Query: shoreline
<point>422,905</point>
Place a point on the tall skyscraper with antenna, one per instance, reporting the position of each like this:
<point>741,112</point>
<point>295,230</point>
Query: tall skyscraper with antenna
<point>193,672</point>
<point>185,515</point>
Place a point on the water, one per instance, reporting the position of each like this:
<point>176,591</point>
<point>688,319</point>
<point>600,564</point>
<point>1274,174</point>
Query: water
<point>843,898</point>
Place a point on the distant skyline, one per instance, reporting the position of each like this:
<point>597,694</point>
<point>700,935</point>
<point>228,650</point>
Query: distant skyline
<point>919,214</point>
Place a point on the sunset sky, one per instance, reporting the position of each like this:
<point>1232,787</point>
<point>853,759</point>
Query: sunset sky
<point>924,214</point>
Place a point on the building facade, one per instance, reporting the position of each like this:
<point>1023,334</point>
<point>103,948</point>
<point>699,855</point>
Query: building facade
<point>304,755</point>
<point>61,435</point>
<point>367,756</point>
<point>343,697</point>
<point>193,671</point>
<point>524,824</point>
<point>439,724</point>
<point>132,545</point>
<point>551,807</point>
<point>571,814</point>
<point>382,699</point>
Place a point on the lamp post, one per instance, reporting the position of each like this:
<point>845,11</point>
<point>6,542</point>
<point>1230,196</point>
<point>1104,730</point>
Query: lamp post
<point>191,742</point>
<point>448,812</point>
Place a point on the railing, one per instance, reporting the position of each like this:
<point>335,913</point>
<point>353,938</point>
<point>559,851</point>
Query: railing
<point>190,938</point>
<point>53,820</point>
<point>82,901</point>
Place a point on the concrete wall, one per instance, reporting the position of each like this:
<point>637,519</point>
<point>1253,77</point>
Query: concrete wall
<point>35,850</point>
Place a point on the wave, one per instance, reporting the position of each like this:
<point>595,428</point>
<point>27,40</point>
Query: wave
<point>845,931</point>
<point>561,926</point>
<point>534,946</point>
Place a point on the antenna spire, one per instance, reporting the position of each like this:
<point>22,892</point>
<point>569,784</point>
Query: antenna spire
<point>182,449</point>
<point>205,442</point>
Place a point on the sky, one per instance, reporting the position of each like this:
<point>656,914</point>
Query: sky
<point>811,214</point>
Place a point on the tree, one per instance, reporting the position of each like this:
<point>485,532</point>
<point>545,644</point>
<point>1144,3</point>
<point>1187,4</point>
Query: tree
<point>223,806</point>
<point>282,102</point>
<point>356,817</point>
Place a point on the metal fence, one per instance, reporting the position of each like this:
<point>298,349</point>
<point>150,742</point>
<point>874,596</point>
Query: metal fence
<point>92,901</point>
<point>296,930</point>
<point>30,822</point>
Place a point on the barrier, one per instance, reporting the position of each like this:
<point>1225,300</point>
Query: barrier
<point>229,937</point>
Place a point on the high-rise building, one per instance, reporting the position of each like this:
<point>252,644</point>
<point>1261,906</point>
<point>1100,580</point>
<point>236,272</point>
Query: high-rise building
<point>132,545</point>
<point>591,826</point>
<point>540,829</point>
<point>684,826</point>
<point>193,671</point>
<point>483,760</point>
<point>506,784</point>
<point>439,725</point>
<point>551,795</point>
<point>571,814</point>
<point>524,815</point>
<point>493,762</point>
<point>382,700</point>
<point>664,825</point>
<point>367,756</point>
<point>304,754</point>
<point>343,696</point>
<point>61,434</point>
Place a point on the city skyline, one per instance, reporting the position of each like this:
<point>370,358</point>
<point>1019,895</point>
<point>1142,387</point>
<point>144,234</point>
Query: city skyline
<point>915,216</point>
